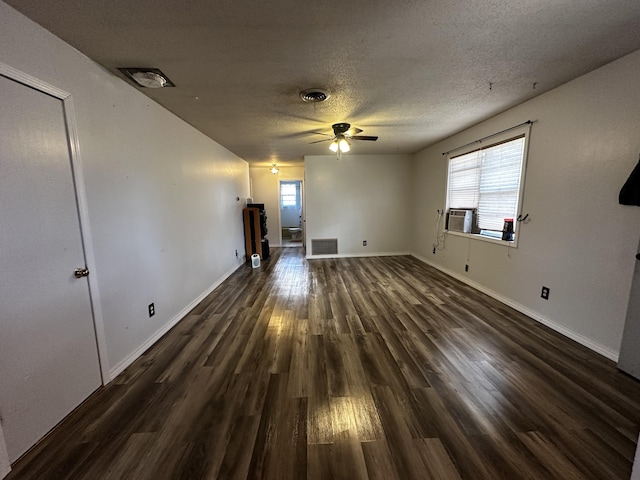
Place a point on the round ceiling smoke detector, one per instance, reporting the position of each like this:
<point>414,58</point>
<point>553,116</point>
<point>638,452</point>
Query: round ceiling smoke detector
<point>315,95</point>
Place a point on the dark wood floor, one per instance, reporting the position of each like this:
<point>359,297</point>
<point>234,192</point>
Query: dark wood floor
<point>361,368</point>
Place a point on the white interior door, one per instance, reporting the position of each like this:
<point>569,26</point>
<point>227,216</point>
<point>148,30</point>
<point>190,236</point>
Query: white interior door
<point>48,352</point>
<point>629,359</point>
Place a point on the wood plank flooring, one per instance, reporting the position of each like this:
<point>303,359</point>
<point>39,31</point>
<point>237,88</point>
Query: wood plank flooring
<point>359,368</point>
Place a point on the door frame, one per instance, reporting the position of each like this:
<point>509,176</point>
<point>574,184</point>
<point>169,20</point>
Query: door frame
<point>81,202</point>
<point>302,208</point>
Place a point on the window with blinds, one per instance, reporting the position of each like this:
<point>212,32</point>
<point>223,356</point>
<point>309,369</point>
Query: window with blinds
<point>288,195</point>
<point>488,180</point>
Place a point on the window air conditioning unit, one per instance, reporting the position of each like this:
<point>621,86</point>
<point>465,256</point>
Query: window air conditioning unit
<point>460,220</point>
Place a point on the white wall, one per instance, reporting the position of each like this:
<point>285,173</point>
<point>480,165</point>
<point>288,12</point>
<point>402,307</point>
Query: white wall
<point>360,197</point>
<point>161,196</point>
<point>635,474</point>
<point>265,188</point>
<point>5,464</point>
<point>580,242</point>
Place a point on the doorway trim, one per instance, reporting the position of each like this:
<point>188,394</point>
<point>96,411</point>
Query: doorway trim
<point>302,208</point>
<point>81,202</point>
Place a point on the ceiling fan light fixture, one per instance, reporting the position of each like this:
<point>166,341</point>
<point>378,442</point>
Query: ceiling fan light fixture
<point>343,133</point>
<point>147,77</point>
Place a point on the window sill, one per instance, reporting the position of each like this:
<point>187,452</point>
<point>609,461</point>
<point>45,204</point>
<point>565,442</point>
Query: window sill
<point>485,238</point>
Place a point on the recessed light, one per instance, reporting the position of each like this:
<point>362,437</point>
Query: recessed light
<point>147,77</point>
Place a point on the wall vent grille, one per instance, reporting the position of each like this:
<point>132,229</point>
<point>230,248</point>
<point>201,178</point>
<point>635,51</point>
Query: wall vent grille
<point>324,246</point>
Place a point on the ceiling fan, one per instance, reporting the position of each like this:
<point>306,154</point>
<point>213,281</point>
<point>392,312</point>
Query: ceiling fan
<point>343,133</point>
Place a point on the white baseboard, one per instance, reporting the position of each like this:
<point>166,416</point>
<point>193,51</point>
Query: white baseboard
<point>355,255</point>
<point>581,339</point>
<point>117,369</point>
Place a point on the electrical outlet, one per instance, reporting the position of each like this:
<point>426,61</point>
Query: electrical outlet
<point>545,293</point>
<point>364,243</point>
<point>152,310</point>
<point>434,250</point>
<point>236,253</point>
<point>466,268</point>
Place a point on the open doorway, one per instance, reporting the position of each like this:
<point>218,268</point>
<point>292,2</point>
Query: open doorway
<point>291,213</point>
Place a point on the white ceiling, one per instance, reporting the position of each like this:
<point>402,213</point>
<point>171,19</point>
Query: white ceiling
<point>410,71</point>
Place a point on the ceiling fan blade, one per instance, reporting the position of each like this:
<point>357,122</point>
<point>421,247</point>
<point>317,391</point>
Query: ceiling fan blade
<point>323,140</point>
<point>364,137</point>
<point>320,133</point>
<point>354,131</point>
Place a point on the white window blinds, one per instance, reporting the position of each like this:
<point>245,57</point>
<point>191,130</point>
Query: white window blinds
<point>464,180</point>
<point>488,180</point>
<point>288,195</point>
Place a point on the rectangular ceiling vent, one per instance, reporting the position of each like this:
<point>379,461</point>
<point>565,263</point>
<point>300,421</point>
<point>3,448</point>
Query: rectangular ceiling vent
<point>324,246</point>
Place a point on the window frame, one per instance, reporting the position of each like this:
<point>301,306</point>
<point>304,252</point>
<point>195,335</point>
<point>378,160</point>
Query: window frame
<point>488,142</point>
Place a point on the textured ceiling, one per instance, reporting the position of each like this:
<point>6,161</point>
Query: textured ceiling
<point>410,71</point>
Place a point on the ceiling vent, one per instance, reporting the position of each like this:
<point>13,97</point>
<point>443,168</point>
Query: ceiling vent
<point>315,95</point>
<point>147,77</point>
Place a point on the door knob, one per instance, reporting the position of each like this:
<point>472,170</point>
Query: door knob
<point>81,272</point>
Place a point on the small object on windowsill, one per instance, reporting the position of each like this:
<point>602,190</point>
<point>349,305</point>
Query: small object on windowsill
<point>507,230</point>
